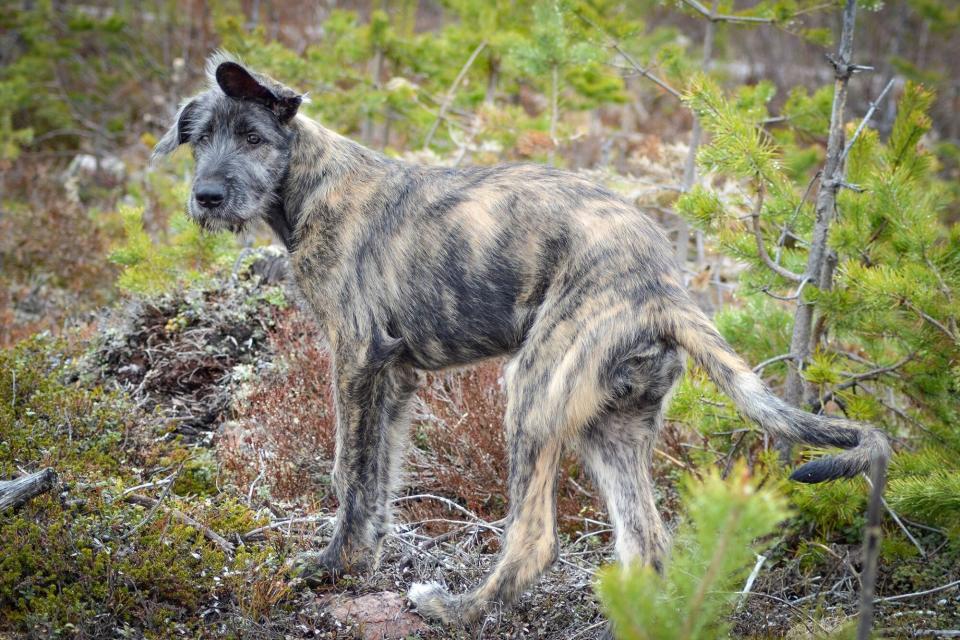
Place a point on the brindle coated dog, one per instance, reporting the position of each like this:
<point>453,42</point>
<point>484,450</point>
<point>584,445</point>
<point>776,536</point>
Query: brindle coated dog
<point>411,268</point>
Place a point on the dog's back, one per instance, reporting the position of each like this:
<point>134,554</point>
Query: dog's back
<point>459,262</point>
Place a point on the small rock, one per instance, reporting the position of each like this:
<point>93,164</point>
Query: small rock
<point>379,616</point>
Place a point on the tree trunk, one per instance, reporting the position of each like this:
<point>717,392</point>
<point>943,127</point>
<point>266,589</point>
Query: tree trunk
<point>366,130</point>
<point>801,343</point>
<point>493,78</point>
<point>690,165</point>
<point>554,91</point>
<point>14,493</point>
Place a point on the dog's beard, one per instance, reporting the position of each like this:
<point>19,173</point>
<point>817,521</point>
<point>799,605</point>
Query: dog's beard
<point>232,217</point>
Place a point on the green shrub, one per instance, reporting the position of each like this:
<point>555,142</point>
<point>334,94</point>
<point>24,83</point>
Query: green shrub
<point>714,549</point>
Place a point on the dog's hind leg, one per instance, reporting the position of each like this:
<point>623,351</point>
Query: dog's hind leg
<point>553,389</point>
<point>617,448</point>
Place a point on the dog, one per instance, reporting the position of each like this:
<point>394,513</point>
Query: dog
<point>410,268</point>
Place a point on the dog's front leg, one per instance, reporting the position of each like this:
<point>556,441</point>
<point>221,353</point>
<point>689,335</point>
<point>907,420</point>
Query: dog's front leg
<point>373,394</point>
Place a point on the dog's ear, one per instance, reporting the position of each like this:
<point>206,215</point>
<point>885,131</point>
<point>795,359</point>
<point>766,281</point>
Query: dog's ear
<point>180,132</point>
<point>237,82</point>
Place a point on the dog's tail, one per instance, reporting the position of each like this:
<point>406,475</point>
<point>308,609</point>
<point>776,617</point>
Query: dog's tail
<point>693,331</point>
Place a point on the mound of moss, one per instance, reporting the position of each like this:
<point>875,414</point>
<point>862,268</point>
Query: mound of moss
<point>137,539</point>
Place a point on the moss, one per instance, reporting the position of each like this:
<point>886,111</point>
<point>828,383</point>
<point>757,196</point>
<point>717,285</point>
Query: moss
<point>83,562</point>
<point>45,421</point>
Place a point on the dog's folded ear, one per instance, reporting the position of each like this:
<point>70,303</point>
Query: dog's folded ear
<point>181,130</point>
<point>238,83</point>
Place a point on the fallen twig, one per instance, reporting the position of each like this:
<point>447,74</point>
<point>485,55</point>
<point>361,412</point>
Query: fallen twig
<point>256,534</point>
<point>446,501</point>
<point>917,594</point>
<point>183,518</point>
<point>750,580</point>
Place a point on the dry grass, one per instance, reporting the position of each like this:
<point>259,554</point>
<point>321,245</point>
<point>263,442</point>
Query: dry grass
<point>282,437</point>
<point>283,433</point>
<point>52,266</point>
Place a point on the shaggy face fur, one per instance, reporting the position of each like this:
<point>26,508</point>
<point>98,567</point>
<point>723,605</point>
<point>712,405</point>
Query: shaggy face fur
<point>411,268</point>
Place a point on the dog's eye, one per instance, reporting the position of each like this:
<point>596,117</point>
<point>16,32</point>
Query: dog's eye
<point>203,138</point>
<point>253,138</point>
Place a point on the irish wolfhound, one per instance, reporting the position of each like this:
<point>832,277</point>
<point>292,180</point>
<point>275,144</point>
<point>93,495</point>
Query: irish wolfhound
<point>411,268</point>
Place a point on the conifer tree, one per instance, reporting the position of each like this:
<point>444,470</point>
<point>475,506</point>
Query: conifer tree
<point>549,51</point>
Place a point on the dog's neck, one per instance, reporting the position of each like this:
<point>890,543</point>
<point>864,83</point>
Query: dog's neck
<point>324,167</point>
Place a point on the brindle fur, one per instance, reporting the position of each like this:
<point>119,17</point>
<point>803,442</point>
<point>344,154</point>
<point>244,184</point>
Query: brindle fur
<point>411,268</point>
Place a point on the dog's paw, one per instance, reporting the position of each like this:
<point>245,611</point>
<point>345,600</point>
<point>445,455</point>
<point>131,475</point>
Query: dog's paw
<point>315,568</point>
<point>433,601</point>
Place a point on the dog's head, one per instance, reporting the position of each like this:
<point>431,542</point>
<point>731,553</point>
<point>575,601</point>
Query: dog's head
<point>239,130</point>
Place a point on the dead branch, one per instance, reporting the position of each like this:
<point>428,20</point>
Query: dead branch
<point>183,518</point>
<point>643,71</point>
<point>761,248</point>
<point>769,361</point>
<point>712,16</point>
<point>452,92</point>
<point>18,491</point>
<point>866,119</point>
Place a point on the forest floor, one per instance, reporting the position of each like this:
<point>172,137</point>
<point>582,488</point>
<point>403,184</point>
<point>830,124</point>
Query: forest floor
<point>213,403</point>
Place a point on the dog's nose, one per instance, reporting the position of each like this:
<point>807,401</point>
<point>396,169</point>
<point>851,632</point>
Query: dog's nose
<point>209,194</point>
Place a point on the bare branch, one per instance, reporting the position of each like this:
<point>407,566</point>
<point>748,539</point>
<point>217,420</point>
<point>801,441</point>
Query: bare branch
<point>769,361</point>
<point>930,319</point>
<point>452,92</point>
<point>866,119</point>
<point>630,59</point>
<point>761,249</point>
<point>720,17</point>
